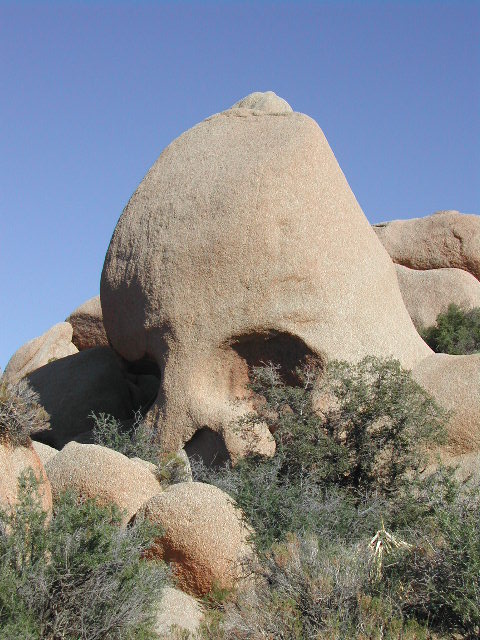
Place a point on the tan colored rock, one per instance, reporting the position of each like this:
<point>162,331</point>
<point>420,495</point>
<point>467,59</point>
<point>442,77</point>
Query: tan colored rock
<point>97,472</point>
<point>454,381</point>
<point>44,452</point>
<point>72,387</point>
<point>87,323</point>
<point>428,293</point>
<point>53,344</point>
<point>445,239</point>
<point>243,244</point>
<point>267,102</point>
<point>178,612</point>
<point>14,461</point>
<point>205,538</point>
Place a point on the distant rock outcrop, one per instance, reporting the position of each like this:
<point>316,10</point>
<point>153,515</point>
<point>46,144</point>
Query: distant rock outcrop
<point>444,239</point>
<point>244,244</point>
<point>54,344</point>
<point>428,293</point>
<point>87,323</point>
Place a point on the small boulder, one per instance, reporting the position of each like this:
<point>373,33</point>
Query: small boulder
<point>14,461</point>
<point>178,612</point>
<point>205,538</point>
<point>93,471</point>
<point>54,344</point>
<point>87,323</point>
<point>428,293</point>
<point>444,239</point>
<point>454,382</point>
<point>72,387</point>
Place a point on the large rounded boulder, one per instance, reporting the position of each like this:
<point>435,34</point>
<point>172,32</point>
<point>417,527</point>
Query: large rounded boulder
<point>444,239</point>
<point>245,244</point>
<point>428,293</point>
<point>204,536</point>
<point>92,471</point>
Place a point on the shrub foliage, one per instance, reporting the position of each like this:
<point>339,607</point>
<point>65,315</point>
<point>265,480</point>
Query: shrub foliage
<point>456,332</point>
<point>21,415</point>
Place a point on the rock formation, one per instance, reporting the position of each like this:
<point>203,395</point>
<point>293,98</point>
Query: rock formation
<point>428,293</point>
<point>205,538</point>
<point>243,244</point>
<point>87,323</point>
<point>444,239</point>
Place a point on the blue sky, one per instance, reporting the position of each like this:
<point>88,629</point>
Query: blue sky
<point>93,91</point>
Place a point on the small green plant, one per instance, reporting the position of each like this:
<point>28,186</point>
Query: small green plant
<point>79,576</point>
<point>456,332</point>
<point>138,441</point>
<point>21,415</point>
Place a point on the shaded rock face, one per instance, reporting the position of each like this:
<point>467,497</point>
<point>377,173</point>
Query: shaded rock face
<point>428,293</point>
<point>87,323</point>
<point>97,472</point>
<point>205,537</point>
<point>444,239</point>
<point>54,344</point>
<point>72,387</point>
<point>243,244</point>
<point>14,461</point>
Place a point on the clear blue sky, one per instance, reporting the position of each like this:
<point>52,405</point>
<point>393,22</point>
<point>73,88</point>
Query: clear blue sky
<point>91,92</point>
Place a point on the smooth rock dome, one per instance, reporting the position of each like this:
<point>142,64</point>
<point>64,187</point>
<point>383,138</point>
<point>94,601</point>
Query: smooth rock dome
<point>244,243</point>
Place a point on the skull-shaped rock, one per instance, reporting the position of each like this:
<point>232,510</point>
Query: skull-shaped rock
<point>244,244</point>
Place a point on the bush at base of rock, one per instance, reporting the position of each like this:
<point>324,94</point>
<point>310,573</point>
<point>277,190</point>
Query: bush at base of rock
<point>79,576</point>
<point>456,331</point>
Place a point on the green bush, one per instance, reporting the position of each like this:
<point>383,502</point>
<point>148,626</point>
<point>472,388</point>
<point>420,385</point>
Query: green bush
<point>20,413</point>
<point>79,576</point>
<point>456,332</point>
<point>364,446</point>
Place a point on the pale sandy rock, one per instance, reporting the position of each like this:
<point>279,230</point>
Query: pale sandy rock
<point>428,293</point>
<point>243,244</point>
<point>14,461</point>
<point>444,239</point>
<point>179,612</point>
<point>267,101</point>
<point>98,472</point>
<point>53,344</point>
<point>454,382</point>
<point>72,387</point>
<point>205,537</point>
<point>87,323</point>
<point>45,453</point>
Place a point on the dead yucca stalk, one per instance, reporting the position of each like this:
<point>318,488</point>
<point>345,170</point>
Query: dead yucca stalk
<point>382,544</point>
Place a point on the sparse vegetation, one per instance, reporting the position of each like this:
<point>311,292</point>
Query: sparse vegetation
<point>79,576</point>
<point>21,415</point>
<point>456,332</point>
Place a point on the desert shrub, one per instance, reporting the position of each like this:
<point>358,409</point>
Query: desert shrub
<point>21,415</point>
<point>456,331</point>
<point>438,578</point>
<point>79,576</point>
<point>336,466</point>
<point>138,441</point>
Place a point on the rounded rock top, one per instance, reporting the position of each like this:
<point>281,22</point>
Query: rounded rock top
<point>267,101</point>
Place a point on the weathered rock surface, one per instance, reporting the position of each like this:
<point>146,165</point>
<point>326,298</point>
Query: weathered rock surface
<point>444,239</point>
<point>53,344</point>
<point>454,381</point>
<point>87,323</point>
<point>44,452</point>
<point>72,387</point>
<point>205,538</point>
<point>180,611</point>
<point>98,472</point>
<point>428,293</point>
<point>13,462</point>
<point>243,244</point>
